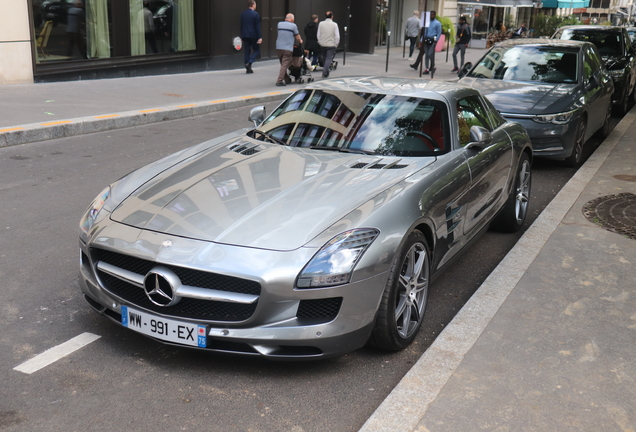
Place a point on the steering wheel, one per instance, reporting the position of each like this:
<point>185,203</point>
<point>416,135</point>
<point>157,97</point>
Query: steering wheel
<point>433,144</point>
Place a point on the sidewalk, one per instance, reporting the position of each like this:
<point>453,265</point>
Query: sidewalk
<point>38,112</point>
<point>548,342</point>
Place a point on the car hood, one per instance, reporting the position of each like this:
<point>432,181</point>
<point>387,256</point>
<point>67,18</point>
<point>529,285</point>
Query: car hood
<point>524,98</point>
<point>270,196</point>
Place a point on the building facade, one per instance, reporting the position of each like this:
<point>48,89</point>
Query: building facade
<point>56,40</point>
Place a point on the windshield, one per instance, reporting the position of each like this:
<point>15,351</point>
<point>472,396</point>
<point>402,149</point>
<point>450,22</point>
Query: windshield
<point>608,43</point>
<point>632,35</point>
<point>359,122</point>
<point>529,63</point>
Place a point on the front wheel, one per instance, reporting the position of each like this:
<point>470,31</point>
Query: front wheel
<point>514,213</point>
<point>405,296</point>
<point>577,152</point>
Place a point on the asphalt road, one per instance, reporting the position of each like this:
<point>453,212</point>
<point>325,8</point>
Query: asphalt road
<point>124,381</point>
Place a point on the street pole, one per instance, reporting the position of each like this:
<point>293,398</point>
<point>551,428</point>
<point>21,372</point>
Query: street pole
<point>344,54</point>
<point>388,47</point>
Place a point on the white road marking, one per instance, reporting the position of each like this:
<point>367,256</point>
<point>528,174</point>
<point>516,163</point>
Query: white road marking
<point>56,353</point>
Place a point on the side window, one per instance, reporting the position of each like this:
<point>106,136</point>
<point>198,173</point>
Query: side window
<point>470,112</point>
<point>590,64</point>
<point>494,117</point>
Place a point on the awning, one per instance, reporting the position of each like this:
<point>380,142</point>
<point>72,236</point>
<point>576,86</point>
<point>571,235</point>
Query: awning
<point>572,4</point>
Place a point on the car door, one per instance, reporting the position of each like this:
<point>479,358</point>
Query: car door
<point>489,166</point>
<point>631,56</point>
<point>597,87</point>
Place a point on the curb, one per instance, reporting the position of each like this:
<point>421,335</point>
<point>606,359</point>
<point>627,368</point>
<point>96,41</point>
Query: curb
<point>405,407</point>
<point>35,132</point>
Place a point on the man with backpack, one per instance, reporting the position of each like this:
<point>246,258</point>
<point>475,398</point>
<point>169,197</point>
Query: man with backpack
<point>463,38</point>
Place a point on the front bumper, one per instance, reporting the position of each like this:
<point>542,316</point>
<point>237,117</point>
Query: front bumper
<point>286,323</point>
<point>551,141</point>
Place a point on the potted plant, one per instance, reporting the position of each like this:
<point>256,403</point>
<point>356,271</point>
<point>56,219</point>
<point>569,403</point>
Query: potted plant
<point>448,33</point>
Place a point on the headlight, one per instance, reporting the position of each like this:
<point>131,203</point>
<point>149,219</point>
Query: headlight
<point>93,210</point>
<point>560,118</point>
<point>335,261</point>
<point>617,74</point>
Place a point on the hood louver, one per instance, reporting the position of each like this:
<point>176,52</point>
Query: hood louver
<point>246,149</point>
<point>378,165</point>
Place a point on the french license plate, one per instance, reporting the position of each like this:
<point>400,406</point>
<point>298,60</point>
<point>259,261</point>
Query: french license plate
<point>163,328</point>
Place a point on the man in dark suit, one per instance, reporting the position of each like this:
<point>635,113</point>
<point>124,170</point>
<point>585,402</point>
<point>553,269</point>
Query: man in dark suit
<point>251,34</point>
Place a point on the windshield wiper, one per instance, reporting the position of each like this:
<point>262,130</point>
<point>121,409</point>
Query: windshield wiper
<point>271,137</point>
<point>343,150</point>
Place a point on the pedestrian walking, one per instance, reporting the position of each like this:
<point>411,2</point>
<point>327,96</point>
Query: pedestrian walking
<point>311,39</point>
<point>76,29</point>
<point>428,40</point>
<point>251,35</point>
<point>412,31</point>
<point>463,38</point>
<point>328,39</point>
<point>287,36</point>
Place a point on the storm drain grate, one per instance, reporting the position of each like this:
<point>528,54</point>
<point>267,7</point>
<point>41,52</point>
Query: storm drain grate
<point>615,213</point>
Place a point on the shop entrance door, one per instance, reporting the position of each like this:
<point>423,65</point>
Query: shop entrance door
<point>272,12</point>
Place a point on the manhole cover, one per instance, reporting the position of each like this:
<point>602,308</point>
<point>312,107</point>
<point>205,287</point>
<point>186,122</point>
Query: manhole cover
<point>615,213</point>
<point>625,177</point>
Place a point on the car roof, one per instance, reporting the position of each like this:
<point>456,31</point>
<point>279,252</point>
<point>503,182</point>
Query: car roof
<point>543,42</point>
<point>421,88</point>
<point>592,27</point>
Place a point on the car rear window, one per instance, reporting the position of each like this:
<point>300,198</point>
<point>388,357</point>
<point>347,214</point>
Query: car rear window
<point>529,63</point>
<point>608,43</point>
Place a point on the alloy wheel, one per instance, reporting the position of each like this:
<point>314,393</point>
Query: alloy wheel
<point>412,291</point>
<point>523,191</point>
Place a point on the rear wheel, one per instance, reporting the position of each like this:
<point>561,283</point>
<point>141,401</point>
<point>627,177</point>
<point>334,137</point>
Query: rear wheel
<point>623,106</point>
<point>604,131</point>
<point>577,151</point>
<point>405,296</point>
<point>512,216</point>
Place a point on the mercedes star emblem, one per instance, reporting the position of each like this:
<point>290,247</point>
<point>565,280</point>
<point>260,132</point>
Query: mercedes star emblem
<point>161,286</point>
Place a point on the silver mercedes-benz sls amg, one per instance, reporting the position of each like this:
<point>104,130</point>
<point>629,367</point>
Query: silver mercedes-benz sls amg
<point>314,233</point>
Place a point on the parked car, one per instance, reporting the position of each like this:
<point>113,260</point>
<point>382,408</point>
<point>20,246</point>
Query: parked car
<point>56,10</point>
<point>618,56</point>
<point>557,89</point>
<point>631,31</point>
<point>313,234</point>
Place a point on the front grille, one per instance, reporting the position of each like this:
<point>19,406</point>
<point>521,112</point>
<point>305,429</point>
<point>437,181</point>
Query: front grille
<point>326,309</point>
<point>188,307</point>
<point>196,278</point>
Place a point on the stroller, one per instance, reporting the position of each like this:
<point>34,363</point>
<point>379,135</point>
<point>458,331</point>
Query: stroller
<point>301,66</point>
<point>334,63</point>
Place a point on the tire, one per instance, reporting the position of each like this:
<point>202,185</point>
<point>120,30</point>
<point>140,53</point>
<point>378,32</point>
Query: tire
<point>405,296</point>
<point>604,131</point>
<point>574,160</point>
<point>511,218</point>
<point>623,106</point>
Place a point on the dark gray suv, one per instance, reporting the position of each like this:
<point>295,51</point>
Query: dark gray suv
<point>618,55</point>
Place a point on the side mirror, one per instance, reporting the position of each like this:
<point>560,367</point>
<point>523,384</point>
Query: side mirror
<point>592,82</point>
<point>257,115</point>
<point>479,137</point>
<point>465,69</point>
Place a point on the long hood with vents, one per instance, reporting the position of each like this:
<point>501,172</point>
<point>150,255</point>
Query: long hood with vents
<point>261,195</point>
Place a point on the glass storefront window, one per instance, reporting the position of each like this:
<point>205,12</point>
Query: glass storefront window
<point>71,29</point>
<point>85,29</point>
<point>161,26</point>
